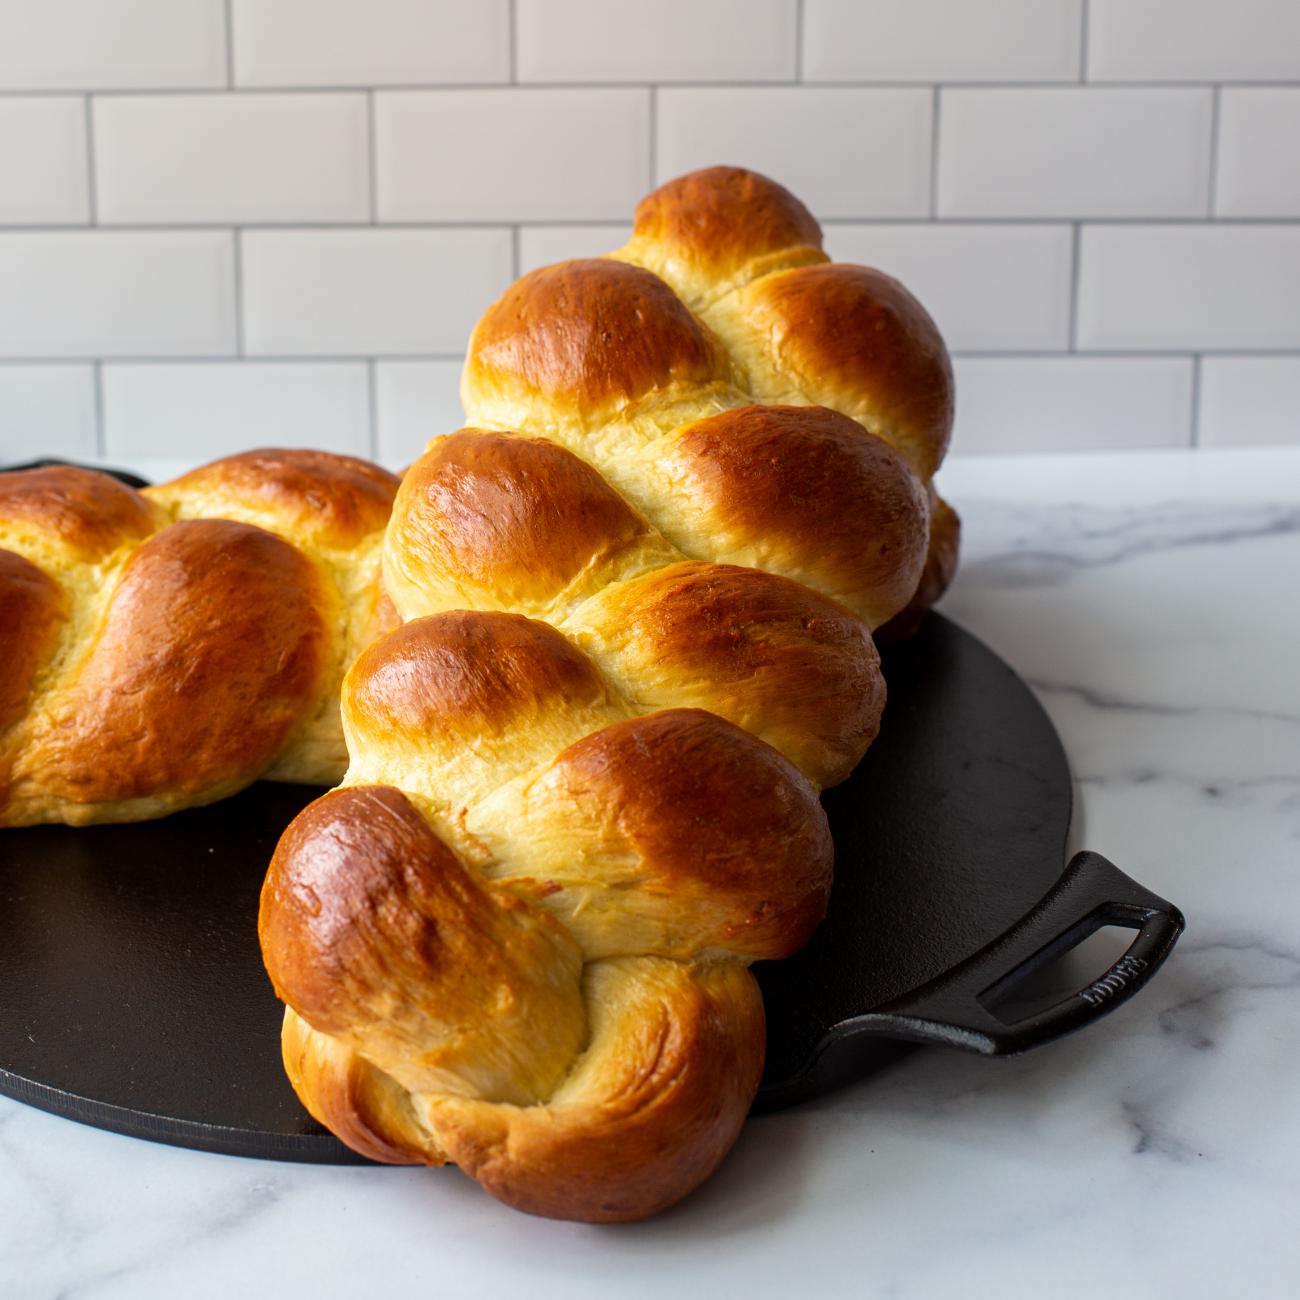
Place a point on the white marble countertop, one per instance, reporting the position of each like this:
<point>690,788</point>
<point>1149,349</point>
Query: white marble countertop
<point>1154,602</point>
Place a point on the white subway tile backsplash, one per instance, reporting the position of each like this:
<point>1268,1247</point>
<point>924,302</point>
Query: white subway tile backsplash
<point>1259,153</point>
<point>542,245</point>
<point>111,44</point>
<point>1012,404</point>
<point>46,410</point>
<point>1189,287</point>
<point>845,152</point>
<point>360,292</point>
<point>117,293</point>
<point>988,287</point>
<point>501,155</point>
<point>941,40</point>
<point>1193,40</point>
<point>369,42</point>
<point>43,161</point>
<point>227,158</point>
<point>1076,152</point>
<point>671,40</point>
<point>1250,401</point>
<point>415,401</point>
<point>227,222</point>
<point>208,409</point>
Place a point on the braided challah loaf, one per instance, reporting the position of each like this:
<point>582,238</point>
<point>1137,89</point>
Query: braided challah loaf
<point>165,648</point>
<point>583,785</point>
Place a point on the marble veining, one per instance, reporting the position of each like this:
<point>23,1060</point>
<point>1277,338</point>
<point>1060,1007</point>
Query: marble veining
<point>1153,601</point>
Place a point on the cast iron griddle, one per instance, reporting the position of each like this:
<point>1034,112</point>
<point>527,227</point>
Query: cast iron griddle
<point>132,994</point>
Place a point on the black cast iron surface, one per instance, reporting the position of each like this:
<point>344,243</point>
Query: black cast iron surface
<point>132,994</point>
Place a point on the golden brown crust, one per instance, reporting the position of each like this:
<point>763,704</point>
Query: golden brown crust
<point>644,770</point>
<point>586,338</point>
<point>681,809</point>
<point>810,492</point>
<point>716,220</point>
<point>319,496</point>
<point>650,1112</point>
<point>383,617</point>
<point>354,1099</point>
<point>106,546</point>
<point>762,651</point>
<point>451,678</point>
<point>89,513</point>
<point>428,984</point>
<point>854,339</point>
<point>490,520</point>
<point>32,608</point>
<point>213,643</point>
<point>940,569</point>
<point>372,928</point>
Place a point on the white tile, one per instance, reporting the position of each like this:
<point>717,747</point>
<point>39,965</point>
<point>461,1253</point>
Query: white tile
<point>46,410</point>
<point>670,40</point>
<point>217,158</point>
<point>845,153</point>
<point>1193,287</point>
<point>1010,404</point>
<point>111,44</point>
<point>359,292</point>
<point>542,245</point>
<point>415,401</point>
<point>369,42</point>
<point>1078,152</point>
<point>1259,153</point>
<point>212,409</point>
<point>117,293</point>
<point>941,40</point>
<point>43,161</point>
<point>1250,401</point>
<point>511,155</point>
<point>1193,40</point>
<point>988,287</point>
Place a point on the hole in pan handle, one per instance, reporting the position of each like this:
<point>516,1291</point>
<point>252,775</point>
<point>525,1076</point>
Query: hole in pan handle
<point>953,1009</point>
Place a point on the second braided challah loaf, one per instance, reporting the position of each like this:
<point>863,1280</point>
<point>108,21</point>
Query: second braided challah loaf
<point>583,785</point>
<point>165,648</point>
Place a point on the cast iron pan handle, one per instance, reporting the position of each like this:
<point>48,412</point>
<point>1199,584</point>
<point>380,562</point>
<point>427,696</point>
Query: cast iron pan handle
<point>953,1009</point>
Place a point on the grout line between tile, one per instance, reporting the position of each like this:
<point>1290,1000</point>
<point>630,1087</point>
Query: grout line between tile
<point>372,157</point>
<point>504,223</point>
<point>515,258</point>
<point>101,434</point>
<point>799,18</point>
<point>230,44</point>
<point>1216,112</point>
<point>1085,354</point>
<point>255,359</point>
<point>92,181</point>
<point>653,167</point>
<point>513,38</point>
<point>238,237</point>
<point>1084,17</point>
<point>372,395</point>
<point>360,357</point>
<point>935,112</point>
<point>1075,240</point>
<point>343,88</point>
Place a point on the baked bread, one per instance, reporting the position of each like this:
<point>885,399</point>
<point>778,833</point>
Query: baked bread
<point>165,648</point>
<point>582,797</point>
